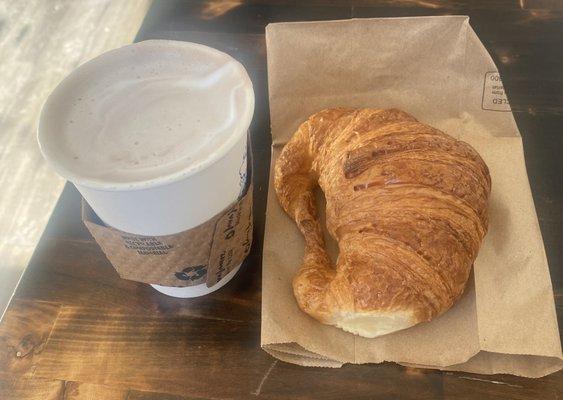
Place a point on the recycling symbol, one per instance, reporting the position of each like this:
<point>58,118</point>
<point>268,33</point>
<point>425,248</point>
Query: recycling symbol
<point>192,273</point>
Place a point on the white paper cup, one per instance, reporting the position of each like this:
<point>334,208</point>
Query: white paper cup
<point>146,88</point>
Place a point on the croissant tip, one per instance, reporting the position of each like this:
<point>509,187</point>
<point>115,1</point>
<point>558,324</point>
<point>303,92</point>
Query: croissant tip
<point>372,324</point>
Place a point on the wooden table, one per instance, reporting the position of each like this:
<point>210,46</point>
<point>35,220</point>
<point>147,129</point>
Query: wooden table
<point>76,331</point>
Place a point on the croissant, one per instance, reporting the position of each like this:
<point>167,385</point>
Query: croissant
<point>407,205</point>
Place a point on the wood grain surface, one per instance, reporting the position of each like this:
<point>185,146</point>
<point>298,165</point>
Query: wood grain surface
<point>76,331</point>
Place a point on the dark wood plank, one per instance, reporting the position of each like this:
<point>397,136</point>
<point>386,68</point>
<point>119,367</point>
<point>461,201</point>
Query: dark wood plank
<point>140,395</point>
<point>182,355</point>
<point>541,4</point>
<point>23,334</point>
<point>541,134</point>
<point>65,220</point>
<point>233,17</point>
<point>76,273</point>
<point>460,386</point>
<point>382,381</point>
<point>23,388</point>
<point>87,391</point>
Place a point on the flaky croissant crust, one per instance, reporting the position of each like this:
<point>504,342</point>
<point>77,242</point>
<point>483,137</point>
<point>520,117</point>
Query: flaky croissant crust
<point>407,205</point>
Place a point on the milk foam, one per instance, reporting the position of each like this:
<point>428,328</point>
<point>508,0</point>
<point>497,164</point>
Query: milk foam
<point>146,112</point>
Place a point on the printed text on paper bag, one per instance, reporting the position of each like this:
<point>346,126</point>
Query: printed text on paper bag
<point>494,96</point>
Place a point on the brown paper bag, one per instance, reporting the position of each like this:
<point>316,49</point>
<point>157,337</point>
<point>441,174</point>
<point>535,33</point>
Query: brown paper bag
<point>436,69</point>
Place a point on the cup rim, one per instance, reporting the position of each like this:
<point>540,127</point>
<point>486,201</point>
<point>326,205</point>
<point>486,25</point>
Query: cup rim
<point>43,134</point>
